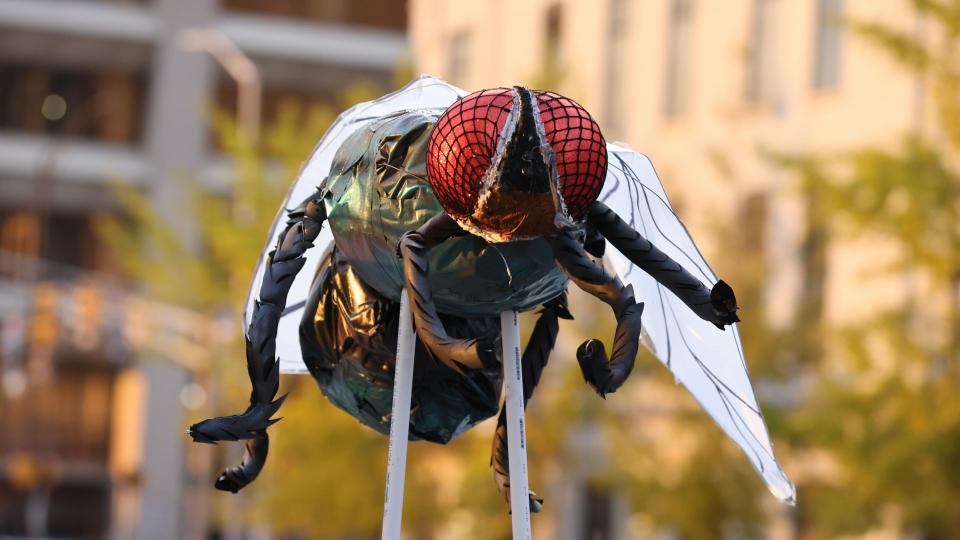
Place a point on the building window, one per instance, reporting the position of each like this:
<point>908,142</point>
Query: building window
<point>63,243</point>
<point>598,519</point>
<point>104,105</point>
<point>679,43</point>
<point>459,62</point>
<point>826,61</point>
<point>617,37</point>
<point>761,72</point>
<point>390,15</point>
<point>753,215</point>
<point>553,32</point>
<point>56,444</point>
<point>751,243</point>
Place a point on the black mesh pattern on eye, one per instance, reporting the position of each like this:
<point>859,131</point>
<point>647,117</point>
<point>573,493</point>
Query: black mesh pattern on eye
<point>465,138</point>
<point>462,146</point>
<point>580,149</point>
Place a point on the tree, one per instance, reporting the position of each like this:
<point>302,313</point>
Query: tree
<point>690,478</point>
<point>326,471</point>
<point>885,410</point>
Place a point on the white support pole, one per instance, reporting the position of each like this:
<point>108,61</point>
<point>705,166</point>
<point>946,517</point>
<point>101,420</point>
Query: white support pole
<point>516,435</point>
<point>399,424</point>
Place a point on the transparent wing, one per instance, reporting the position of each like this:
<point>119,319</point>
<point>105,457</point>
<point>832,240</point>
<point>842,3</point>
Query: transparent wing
<point>709,362</point>
<point>425,94</point>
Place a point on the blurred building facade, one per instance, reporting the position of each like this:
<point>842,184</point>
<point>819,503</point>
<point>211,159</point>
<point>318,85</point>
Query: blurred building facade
<point>703,88</point>
<point>99,92</point>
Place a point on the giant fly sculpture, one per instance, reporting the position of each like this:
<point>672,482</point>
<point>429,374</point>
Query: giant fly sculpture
<point>478,204</point>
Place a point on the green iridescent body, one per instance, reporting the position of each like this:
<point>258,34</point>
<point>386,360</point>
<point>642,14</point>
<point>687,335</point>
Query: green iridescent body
<point>376,191</point>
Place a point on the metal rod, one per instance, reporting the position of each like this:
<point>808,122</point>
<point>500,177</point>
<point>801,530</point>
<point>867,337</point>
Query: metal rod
<point>399,424</point>
<point>516,435</point>
<point>241,69</point>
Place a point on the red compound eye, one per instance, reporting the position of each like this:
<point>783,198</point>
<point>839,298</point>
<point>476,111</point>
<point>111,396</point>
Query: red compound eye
<point>465,138</point>
<point>462,147</point>
<point>580,148</point>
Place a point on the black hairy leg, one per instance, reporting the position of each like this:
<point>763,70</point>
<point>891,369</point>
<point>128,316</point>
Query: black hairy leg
<point>414,248</point>
<point>263,368</point>
<point>603,374</point>
<point>717,305</point>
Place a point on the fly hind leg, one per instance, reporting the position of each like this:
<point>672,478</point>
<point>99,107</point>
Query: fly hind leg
<point>303,226</point>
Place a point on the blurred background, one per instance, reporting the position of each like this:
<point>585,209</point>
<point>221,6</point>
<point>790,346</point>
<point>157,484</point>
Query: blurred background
<point>812,147</point>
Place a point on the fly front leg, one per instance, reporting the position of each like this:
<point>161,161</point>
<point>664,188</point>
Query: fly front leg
<point>603,375</point>
<point>414,248</point>
<point>535,357</point>
<point>717,305</point>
